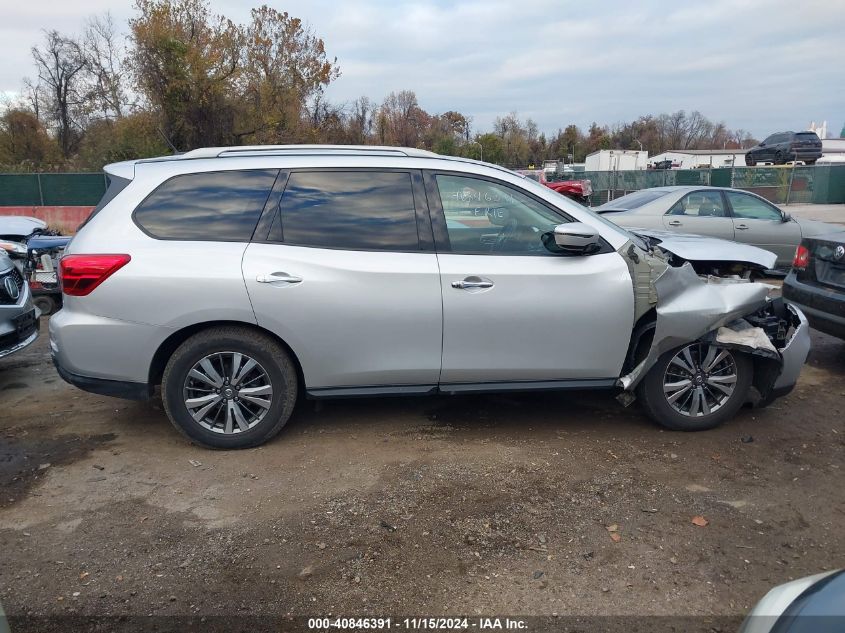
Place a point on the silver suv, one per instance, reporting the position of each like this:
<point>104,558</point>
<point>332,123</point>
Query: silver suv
<point>241,279</point>
<point>18,316</point>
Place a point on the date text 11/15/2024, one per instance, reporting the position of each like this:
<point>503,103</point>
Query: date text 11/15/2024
<point>440,624</point>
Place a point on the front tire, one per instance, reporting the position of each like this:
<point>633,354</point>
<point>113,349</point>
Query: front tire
<point>696,387</point>
<point>749,161</point>
<point>229,387</point>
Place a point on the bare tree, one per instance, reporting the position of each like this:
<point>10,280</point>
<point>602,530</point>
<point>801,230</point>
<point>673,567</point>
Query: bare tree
<point>104,72</point>
<point>61,68</point>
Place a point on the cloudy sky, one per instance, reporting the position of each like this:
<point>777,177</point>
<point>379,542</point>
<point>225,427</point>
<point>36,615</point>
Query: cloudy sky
<point>760,65</point>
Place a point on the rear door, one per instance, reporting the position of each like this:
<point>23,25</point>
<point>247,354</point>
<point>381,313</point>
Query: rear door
<point>347,276</point>
<point>701,213</point>
<point>760,223</point>
<point>513,312</point>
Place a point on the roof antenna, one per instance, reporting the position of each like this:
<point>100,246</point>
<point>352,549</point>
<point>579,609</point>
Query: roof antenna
<point>167,140</point>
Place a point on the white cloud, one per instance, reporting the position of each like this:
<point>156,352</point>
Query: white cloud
<point>761,65</point>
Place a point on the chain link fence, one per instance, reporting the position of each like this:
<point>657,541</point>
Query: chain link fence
<point>820,184</point>
<point>49,190</point>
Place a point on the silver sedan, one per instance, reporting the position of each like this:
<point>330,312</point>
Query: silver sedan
<point>730,214</point>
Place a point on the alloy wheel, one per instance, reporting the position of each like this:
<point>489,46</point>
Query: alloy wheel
<point>699,379</point>
<point>227,392</point>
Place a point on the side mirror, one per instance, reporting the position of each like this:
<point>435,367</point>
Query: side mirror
<point>575,238</point>
<point>787,217</point>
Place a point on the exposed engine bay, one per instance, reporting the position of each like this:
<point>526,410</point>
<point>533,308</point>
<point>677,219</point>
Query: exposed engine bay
<point>705,290</point>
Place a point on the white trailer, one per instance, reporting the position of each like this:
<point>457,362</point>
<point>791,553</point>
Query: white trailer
<point>616,160</point>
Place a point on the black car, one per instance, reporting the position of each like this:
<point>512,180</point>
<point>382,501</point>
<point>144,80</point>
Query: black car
<point>816,283</point>
<point>785,146</point>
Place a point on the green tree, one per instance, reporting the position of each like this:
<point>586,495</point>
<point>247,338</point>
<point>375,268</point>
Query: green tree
<point>185,62</point>
<point>284,67</point>
<point>24,141</point>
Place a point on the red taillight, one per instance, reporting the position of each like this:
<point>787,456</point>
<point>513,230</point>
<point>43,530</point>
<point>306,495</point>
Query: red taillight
<point>802,257</point>
<point>80,274</point>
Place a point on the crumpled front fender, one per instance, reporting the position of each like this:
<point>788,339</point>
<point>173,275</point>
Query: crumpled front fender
<point>689,307</point>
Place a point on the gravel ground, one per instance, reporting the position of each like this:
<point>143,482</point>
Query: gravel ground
<point>529,505</point>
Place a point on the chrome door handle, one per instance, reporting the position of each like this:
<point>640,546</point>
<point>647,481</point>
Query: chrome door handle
<point>472,282</point>
<point>741,227</point>
<point>675,223</point>
<point>278,277</point>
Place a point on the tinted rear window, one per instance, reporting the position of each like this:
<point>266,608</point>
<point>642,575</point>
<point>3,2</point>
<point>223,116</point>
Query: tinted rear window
<point>221,206</point>
<point>350,210</point>
<point>807,136</point>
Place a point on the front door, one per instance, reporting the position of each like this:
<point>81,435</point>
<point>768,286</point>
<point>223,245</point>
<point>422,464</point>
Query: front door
<point>344,279</point>
<point>760,223</point>
<point>512,311</point>
<point>700,213</point>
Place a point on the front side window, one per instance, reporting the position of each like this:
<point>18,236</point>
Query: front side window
<point>350,210</point>
<point>485,217</point>
<point>700,204</point>
<point>214,206</point>
<point>751,208</point>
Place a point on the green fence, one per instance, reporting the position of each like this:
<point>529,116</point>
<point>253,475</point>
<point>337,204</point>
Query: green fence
<point>60,190</point>
<point>820,184</point>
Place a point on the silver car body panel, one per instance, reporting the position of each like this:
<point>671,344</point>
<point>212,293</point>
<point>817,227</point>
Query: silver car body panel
<point>362,319</point>
<point>532,323</point>
<point>19,225</point>
<point>357,318</point>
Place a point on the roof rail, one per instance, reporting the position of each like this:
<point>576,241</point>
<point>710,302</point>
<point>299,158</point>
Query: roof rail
<point>315,150</point>
<point>241,150</point>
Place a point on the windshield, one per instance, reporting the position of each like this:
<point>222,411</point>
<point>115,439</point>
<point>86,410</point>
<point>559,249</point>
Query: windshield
<point>539,188</point>
<point>635,200</point>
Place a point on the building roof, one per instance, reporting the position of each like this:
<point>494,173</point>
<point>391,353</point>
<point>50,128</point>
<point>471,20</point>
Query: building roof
<point>704,152</point>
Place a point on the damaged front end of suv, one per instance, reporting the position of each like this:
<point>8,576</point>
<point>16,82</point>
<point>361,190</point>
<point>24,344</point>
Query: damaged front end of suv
<point>697,306</point>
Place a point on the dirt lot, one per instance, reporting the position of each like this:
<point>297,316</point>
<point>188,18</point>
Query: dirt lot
<point>497,505</point>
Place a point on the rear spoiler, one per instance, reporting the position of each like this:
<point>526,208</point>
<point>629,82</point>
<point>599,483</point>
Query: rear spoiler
<point>124,169</point>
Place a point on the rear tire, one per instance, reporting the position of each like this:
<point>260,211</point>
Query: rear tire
<point>229,387</point>
<point>699,371</point>
<point>45,303</point>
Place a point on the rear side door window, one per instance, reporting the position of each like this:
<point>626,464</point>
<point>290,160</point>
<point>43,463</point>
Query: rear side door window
<point>751,208</point>
<point>222,206</point>
<point>350,210</point>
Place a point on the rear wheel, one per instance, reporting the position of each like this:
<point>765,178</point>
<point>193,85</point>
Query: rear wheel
<point>45,303</point>
<point>696,387</point>
<point>229,387</point>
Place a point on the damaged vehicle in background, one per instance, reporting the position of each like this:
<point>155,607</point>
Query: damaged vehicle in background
<point>240,279</point>
<point>35,249</point>
<point>18,316</point>
<point>578,190</point>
